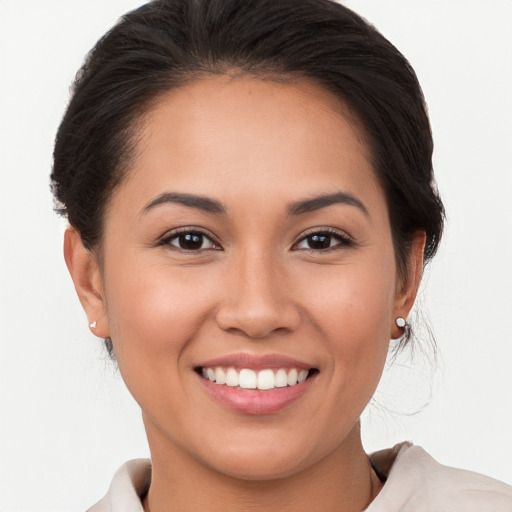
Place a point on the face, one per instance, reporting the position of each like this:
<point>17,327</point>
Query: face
<point>248,249</point>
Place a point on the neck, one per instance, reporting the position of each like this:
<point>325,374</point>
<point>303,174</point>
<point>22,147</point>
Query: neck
<point>341,482</point>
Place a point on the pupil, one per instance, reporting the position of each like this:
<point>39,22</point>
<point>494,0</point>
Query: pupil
<point>319,241</point>
<point>191,241</point>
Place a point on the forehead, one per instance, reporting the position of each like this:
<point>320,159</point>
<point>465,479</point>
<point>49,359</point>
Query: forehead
<point>242,136</point>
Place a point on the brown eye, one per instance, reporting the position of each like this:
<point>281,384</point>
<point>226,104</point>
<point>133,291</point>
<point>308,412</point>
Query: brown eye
<point>191,241</point>
<point>319,241</point>
<point>323,240</point>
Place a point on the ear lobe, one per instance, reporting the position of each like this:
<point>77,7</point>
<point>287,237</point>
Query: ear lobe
<point>85,273</point>
<point>407,295</point>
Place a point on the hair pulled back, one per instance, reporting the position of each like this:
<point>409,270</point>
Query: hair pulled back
<point>168,43</point>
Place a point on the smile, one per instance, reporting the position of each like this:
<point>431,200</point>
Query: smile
<point>263,380</point>
<point>256,384</point>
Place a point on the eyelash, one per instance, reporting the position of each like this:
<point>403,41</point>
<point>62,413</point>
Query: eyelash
<point>344,241</point>
<point>167,239</point>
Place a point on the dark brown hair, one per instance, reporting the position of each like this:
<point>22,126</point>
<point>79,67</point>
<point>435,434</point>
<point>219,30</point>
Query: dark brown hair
<point>167,43</point>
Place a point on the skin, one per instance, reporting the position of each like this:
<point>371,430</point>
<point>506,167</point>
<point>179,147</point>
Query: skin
<point>255,146</point>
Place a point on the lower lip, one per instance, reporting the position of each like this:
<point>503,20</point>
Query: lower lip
<point>253,401</point>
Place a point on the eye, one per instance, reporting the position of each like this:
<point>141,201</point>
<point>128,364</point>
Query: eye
<point>189,240</point>
<point>323,240</point>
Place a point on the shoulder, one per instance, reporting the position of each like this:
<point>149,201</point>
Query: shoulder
<point>416,482</point>
<point>130,483</point>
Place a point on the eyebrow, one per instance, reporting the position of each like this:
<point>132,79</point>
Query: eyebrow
<point>297,208</point>
<point>316,203</point>
<point>191,200</point>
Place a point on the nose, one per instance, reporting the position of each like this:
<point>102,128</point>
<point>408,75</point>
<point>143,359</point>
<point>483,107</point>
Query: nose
<point>257,301</point>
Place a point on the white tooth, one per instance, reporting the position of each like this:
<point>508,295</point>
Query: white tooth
<point>220,376</point>
<point>293,375</point>
<point>266,379</point>
<point>247,379</point>
<point>211,374</point>
<point>204,372</point>
<point>281,378</point>
<point>303,374</point>
<point>232,377</point>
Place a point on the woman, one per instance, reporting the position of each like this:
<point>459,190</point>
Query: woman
<point>251,204</point>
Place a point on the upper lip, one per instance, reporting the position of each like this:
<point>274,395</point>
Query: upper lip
<point>256,362</point>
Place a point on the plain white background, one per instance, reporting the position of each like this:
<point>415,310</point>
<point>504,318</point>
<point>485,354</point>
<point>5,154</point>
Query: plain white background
<point>66,421</point>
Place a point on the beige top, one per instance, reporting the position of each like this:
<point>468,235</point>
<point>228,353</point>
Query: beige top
<point>415,482</point>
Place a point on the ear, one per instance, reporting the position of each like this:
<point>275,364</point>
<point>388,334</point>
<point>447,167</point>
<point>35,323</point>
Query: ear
<point>406,294</point>
<point>85,273</point>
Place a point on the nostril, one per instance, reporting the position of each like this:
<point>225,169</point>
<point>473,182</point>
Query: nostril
<point>257,316</point>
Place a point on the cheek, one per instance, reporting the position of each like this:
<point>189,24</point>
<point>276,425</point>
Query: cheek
<point>154,315</point>
<point>353,311</point>
<point>151,310</point>
<point>353,301</point>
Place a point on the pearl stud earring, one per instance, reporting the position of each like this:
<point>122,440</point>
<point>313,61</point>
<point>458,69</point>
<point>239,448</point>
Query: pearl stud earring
<point>92,325</point>
<point>400,322</point>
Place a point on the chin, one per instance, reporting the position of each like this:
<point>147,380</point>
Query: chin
<point>260,467</point>
<point>263,457</point>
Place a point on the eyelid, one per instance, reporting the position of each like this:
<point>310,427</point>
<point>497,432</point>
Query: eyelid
<point>173,233</point>
<point>346,240</point>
